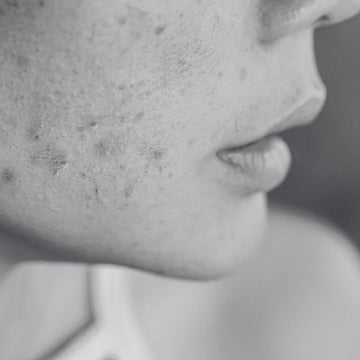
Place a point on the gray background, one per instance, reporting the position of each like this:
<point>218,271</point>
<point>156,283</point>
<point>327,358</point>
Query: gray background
<point>325,176</point>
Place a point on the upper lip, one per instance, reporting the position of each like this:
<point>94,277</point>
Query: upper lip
<point>303,114</point>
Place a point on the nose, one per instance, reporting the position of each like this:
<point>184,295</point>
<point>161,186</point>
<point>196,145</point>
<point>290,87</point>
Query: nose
<point>279,18</point>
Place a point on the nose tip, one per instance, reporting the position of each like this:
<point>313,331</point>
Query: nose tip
<point>280,18</point>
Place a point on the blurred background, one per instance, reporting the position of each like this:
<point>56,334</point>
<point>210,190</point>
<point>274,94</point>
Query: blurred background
<point>325,176</point>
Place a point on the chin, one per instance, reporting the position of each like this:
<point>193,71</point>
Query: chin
<point>215,253</point>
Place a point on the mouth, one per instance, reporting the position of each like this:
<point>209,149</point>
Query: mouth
<point>262,163</point>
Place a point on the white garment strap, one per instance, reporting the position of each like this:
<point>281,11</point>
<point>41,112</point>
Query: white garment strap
<point>113,333</point>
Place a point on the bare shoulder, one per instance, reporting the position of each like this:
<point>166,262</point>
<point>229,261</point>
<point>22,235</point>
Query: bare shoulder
<point>312,242</point>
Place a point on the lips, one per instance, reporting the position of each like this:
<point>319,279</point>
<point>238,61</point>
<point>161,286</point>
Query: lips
<point>261,164</point>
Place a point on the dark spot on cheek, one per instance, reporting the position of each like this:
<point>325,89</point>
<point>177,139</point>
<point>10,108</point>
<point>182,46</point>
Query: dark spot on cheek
<point>129,190</point>
<point>158,154</point>
<point>41,3</point>
<point>139,115</point>
<point>34,132</point>
<point>51,158</point>
<point>7,176</point>
<point>101,148</point>
<point>159,30</point>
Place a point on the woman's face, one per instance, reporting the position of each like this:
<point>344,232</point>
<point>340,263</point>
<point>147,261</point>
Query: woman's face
<point>117,118</point>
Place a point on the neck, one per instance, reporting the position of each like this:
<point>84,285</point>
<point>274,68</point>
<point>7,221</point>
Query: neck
<point>12,252</point>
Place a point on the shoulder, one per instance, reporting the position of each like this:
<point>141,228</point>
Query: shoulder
<point>313,242</point>
<point>306,286</point>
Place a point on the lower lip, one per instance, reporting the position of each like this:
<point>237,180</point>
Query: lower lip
<point>258,167</point>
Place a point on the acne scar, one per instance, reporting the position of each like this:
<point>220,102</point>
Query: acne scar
<point>51,158</point>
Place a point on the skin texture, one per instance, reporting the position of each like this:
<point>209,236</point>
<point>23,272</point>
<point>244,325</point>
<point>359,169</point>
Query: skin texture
<point>111,110</point>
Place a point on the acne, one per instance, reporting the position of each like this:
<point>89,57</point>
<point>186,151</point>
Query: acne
<point>129,190</point>
<point>159,30</point>
<point>102,148</point>
<point>7,177</point>
<point>158,154</point>
<point>139,115</point>
<point>51,158</point>
<point>34,132</point>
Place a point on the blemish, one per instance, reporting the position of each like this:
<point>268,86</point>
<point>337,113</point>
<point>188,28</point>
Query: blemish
<point>159,30</point>
<point>7,176</point>
<point>101,148</point>
<point>50,157</point>
<point>139,115</point>
<point>34,132</point>
<point>128,190</point>
<point>157,154</point>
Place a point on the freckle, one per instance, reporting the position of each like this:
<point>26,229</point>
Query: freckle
<point>93,124</point>
<point>7,176</point>
<point>170,175</point>
<point>41,3</point>
<point>159,30</point>
<point>83,175</point>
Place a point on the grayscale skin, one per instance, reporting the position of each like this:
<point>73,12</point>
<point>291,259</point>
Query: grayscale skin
<point>112,114</point>
<point>111,117</point>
